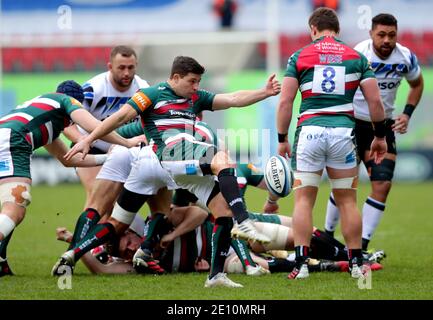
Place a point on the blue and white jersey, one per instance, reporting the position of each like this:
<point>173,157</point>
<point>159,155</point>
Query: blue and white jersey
<point>389,73</point>
<point>101,99</point>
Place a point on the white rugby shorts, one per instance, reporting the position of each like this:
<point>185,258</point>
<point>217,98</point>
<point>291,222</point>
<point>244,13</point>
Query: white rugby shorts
<point>118,164</point>
<point>147,175</point>
<point>319,147</point>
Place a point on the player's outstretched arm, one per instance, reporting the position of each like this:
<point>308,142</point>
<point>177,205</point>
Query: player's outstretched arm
<point>244,98</point>
<point>101,130</point>
<point>58,149</point>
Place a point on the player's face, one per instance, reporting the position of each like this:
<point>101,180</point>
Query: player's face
<point>384,39</point>
<point>128,245</point>
<point>123,70</point>
<point>186,86</point>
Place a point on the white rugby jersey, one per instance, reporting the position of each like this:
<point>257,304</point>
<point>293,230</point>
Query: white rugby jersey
<point>389,73</point>
<point>101,99</point>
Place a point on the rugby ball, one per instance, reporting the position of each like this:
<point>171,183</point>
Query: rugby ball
<point>278,176</point>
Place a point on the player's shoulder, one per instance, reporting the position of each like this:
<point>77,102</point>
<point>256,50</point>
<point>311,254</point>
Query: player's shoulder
<point>150,93</point>
<point>58,100</point>
<point>364,46</point>
<point>53,98</point>
<point>96,83</point>
<point>156,88</point>
<point>140,83</point>
<point>402,51</point>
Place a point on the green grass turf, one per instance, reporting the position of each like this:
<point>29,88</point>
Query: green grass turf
<point>405,234</point>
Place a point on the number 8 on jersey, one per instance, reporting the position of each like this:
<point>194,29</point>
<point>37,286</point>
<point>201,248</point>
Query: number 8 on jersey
<point>329,79</point>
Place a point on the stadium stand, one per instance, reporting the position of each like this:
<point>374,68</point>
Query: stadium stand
<point>46,59</point>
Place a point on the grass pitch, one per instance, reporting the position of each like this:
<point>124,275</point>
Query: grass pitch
<point>404,233</point>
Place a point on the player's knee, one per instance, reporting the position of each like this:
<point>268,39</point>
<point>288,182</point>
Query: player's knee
<point>347,205</point>
<point>381,172</point>
<point>218,206</point>
<point>380,190</point>
<point>277,233</point>
<point>121,219</point>
<point>221,161</point>
<point>15,192</point>
<point>131,201</point>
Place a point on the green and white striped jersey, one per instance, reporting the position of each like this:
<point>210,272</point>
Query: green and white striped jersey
<point>328,72</point>
<point>42,119</point>
<point>166,117</point>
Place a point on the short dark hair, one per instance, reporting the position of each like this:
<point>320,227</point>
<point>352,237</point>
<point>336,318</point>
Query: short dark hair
<point>183,65</point>
<point>124,51</point>
<point>385,19</point>
<point>324,19</point>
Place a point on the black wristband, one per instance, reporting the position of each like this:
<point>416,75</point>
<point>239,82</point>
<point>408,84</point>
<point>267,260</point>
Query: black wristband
<point>409,109</point>
<point>379,129</point>
<point>282,137</point>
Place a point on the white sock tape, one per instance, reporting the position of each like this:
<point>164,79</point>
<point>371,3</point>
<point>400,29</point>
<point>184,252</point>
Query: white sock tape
<point>6,225</point>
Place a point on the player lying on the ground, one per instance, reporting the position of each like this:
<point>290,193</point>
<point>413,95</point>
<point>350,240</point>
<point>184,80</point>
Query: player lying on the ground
<point>196,253</point>
<point>34,124</point>
<point>109,183</point>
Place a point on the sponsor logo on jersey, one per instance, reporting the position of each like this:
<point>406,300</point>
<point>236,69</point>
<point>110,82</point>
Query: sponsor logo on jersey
<point>389,85</point>
<point>183,114</point>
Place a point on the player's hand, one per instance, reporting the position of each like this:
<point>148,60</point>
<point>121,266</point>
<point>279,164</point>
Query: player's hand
<point>82,146</point>
<point>273,86</point>
<point>136,141</point>
<point>166,240</point>
<point>284,149</point>
<point>271,207</point>
<point>401,124</point>
<point>378,149</point>
<point>201,265</point>
<point>63,234</point>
